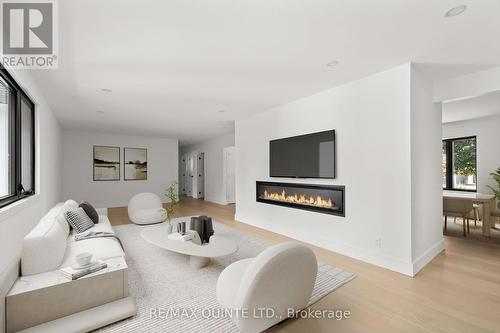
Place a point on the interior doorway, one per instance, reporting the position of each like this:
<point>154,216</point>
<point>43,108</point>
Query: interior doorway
<point>193,175</point>
<point>470,157</point>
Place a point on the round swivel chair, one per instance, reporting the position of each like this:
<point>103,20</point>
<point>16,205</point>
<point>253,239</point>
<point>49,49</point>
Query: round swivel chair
<point>281,277</point>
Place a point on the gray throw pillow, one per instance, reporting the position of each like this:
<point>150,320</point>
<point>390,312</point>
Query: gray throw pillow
<point>78,220</point>
<point>90,210</point>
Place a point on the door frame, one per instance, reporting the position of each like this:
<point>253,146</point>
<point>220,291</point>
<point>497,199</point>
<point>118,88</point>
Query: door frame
<point>225,150</point>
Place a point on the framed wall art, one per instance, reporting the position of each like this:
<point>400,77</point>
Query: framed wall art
<point>135,163</point>
<point>106,163</point>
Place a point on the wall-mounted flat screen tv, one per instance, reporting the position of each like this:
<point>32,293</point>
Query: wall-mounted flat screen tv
<point>303,156</point>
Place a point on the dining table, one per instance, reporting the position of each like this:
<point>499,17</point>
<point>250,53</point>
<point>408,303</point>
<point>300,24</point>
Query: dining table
<point>487,201</point>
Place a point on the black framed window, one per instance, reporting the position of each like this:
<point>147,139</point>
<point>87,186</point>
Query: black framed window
<point>17,141</point>
<point>459,164</point>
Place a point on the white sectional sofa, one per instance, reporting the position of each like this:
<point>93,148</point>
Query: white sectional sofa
<point>42,299</point>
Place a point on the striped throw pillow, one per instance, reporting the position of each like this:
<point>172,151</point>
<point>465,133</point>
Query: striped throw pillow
<point>78,220</point>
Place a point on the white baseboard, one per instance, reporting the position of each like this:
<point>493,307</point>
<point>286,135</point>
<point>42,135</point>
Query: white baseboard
<point>216,202</point>
<point>427,256</point>
<point>368,256</point>
<point>118,204</point>
<point>110,204</point>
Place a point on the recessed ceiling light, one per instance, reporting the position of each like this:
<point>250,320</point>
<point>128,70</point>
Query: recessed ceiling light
<point>333,63</point>
<point>221,111</point>
<point>100,111</point>
<point>455,11</point>
<point>106,90</point>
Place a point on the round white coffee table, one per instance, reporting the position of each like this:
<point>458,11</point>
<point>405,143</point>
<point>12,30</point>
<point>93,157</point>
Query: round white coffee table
<point>199,255</point>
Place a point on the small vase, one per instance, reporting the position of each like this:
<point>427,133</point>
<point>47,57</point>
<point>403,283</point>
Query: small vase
<point>169,228</point>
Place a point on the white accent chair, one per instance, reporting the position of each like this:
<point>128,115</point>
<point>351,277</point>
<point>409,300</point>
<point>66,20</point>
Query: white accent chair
<point>282,277</point>
<point>457,207</point>
<point>146,208</point>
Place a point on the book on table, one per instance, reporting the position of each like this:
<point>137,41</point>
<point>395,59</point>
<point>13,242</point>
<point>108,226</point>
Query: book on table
<point>75,273</point>
<point>177,236</point>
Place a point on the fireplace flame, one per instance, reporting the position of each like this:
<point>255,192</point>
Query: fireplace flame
<point>301,199</point>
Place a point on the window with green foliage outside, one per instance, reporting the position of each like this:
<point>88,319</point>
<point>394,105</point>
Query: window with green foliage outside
<point>459,164</point>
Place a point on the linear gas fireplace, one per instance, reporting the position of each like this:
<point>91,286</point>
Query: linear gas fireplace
<point>318,198</point>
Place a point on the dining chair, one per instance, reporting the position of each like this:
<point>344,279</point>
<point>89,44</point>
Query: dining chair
<point>477,212</point>
<point>458,208</point>
<point>495,215</point>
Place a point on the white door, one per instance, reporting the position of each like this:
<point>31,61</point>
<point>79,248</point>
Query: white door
<point>183,175</point>
<point>229,177</point>
<point>189,175</point>
<point>200,176</point>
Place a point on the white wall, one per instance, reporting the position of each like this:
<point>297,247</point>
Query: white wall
<point>78,174</point>
<point>426,183</point>
<point>487,131</point>
<point>465,86</point>
<point>379,149</point>
<point>372,122</point>
<point>18,219</point>
<point>214,178</point>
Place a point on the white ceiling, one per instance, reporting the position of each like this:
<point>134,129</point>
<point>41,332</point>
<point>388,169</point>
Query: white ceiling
<point>173,64</point>
<point>471,108</point>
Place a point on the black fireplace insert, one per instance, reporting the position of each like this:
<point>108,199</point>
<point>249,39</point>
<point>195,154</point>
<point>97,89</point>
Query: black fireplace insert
<point>328,199</point>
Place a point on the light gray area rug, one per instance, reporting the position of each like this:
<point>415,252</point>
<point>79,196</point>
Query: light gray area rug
<point>163,282</point>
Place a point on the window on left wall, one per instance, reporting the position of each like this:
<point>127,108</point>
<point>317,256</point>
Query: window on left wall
<point>17,141</point>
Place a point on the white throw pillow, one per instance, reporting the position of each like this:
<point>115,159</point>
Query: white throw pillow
<point>61,219</point>
<point>45,245</point>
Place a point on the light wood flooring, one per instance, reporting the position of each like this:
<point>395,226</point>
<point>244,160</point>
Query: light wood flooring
<point>455,229</point>
<point>459,291</point>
